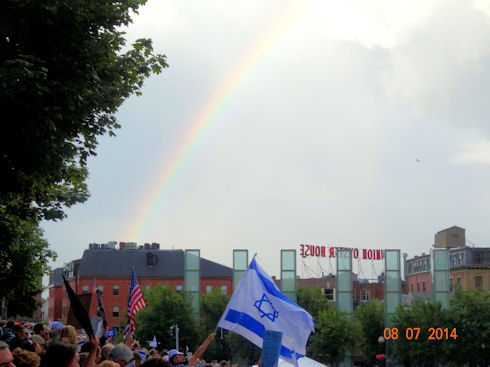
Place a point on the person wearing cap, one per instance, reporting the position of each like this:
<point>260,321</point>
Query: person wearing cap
<point>121,354</point>
<point>177,359</point>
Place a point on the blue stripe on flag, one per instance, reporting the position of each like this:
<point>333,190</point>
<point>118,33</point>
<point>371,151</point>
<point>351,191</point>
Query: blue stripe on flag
<point>251,324</point>
<point>270,286</point>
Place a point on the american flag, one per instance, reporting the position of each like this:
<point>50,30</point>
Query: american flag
<point>135,303</point>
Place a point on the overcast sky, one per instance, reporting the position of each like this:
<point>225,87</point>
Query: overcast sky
<point>362,124</point>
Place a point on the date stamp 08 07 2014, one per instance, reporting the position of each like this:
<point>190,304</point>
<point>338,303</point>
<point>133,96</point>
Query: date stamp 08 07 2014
<point>413,333</point>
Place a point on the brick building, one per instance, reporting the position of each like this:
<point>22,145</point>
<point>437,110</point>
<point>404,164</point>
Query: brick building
<point>364,290</point>
<point>111,269</point>
<point>469,266</point>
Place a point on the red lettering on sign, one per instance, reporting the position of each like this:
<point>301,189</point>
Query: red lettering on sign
<point>370,254</point>
<point>378,255</point>
<point>302,250</point>
<point>323,251</point>
<point>364,253</point>
<point>317,251</point>
<point>331,252</point>
<point>355,253</point>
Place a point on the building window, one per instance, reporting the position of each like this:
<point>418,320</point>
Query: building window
<point>459,281</point>
<point>224,289</point>
<point>85,288</point>
<point>100,287</point>
<point>411,285</point>
<point>115,290</point>
<point>478,281</point>
<point>115,312</point>
<point>365,295</point>
<point>450,284</point>
<point>329,294</point>
<point>178,287</point>
<point>423,285</point>
<point>147,287</point>
<point>209,289</point>
<point>418,287</point>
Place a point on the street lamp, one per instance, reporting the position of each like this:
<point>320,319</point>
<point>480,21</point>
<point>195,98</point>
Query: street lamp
<point>381,357</point>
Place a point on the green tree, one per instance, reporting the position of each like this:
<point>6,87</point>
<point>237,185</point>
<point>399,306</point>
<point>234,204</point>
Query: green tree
<point>312,301</point>
<point>420,351</point>
<point>470,316</point>
<point>23,264</point>
<point>212,307</point>
<point>336,333</point>
<point>370,317</point>
<point>167,307</point>
<point>64,71</point>
<point>242,351</point>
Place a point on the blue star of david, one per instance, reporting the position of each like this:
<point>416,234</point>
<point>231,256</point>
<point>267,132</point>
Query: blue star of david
<point>264,305</point>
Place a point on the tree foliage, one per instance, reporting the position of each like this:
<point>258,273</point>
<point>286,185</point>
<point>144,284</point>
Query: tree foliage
<point>312,301</point>
<point>370,317</point>
<point>213,305</point>
<point>166,307</point>
<point>23,264</point>
<point>64,71</point>
<point>422,314</point>
<point>336,333</point>
<point>64,74</point>
<point>470,316</point>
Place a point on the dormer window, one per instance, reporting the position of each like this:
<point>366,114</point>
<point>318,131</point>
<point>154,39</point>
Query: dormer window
<point>151,259</point>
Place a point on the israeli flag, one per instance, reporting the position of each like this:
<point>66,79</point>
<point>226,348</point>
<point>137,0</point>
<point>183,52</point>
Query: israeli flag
<point>153,343</point>
<point>258,305</point>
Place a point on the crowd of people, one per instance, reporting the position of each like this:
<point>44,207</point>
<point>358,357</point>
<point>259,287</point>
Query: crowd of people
<point>57,345</point>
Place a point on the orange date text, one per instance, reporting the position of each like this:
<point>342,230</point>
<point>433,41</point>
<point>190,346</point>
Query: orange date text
<point>413,333</point>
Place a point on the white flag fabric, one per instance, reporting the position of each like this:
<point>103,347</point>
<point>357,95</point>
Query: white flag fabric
<point>258,305</point>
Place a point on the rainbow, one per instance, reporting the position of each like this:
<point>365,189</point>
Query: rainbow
<point>203,121</point>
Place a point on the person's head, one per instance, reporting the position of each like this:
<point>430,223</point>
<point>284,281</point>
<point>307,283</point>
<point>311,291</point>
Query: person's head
<point>24,358</point>
<point>155,362</point>
<point>106,349</point>
<point>87,346</point>
<point>69,333</point>
<point>20,330</point>
<point>83,357</point>
<point>108,364</point>
<point>6,358</point>
<point>137,358</point>
<point>153,353</point>
<point>121,354</point>
<point>175,357</point>
<point>39,344</point>
<point>40,329</point>
<point>10,324</point>
<point>224,363</point>
<point>61,354</point>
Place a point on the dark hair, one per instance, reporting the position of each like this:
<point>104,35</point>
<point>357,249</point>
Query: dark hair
<point>10,324</point>
<point>38,328</point>
<point>86,347</point>
<point>155,362</point>
<point>29,346</point>
<point>59,354</point>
